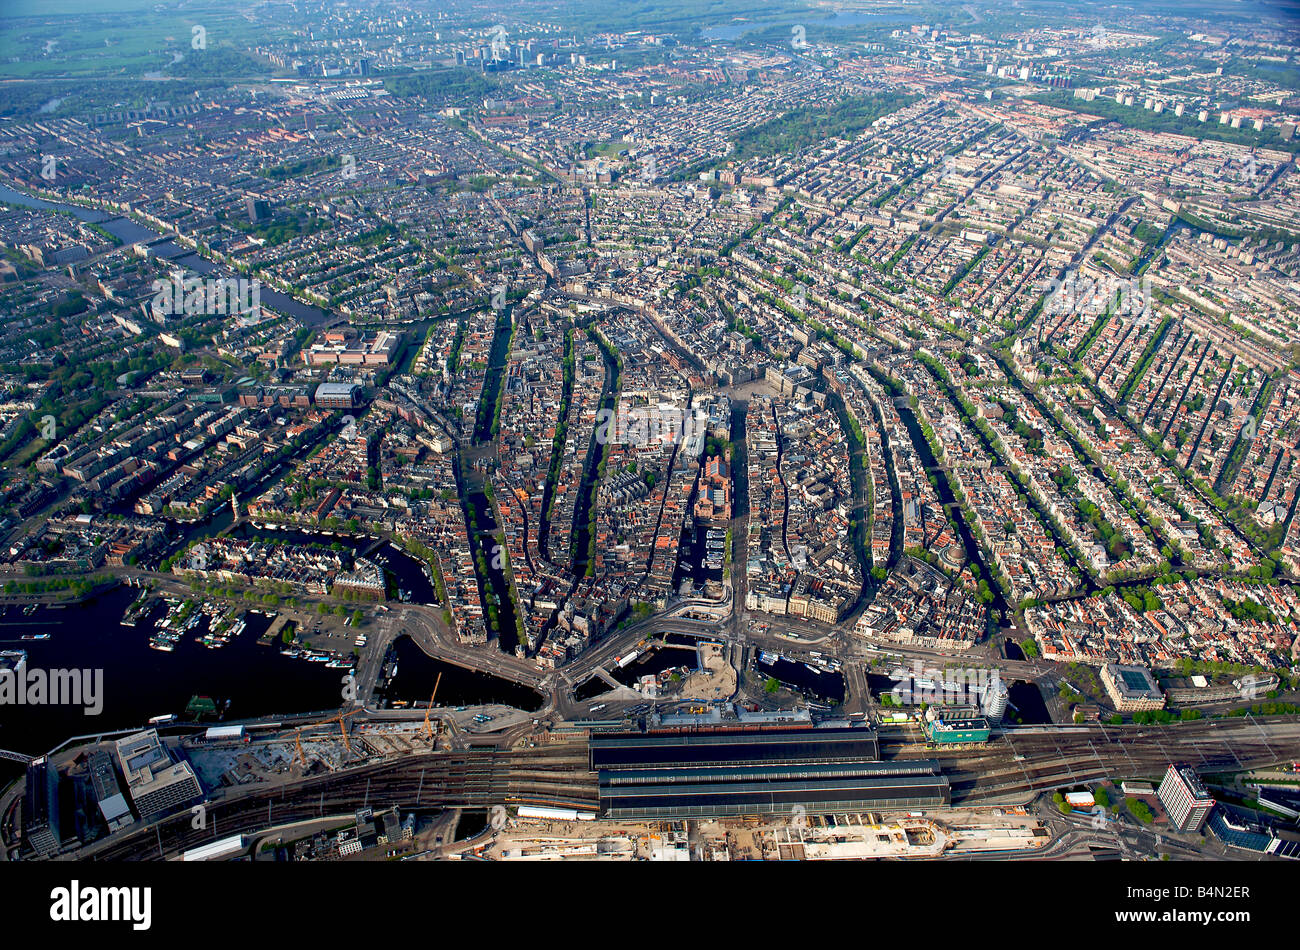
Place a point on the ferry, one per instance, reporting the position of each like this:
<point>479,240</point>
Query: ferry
<point>34,636</point>
<point>166,646</point>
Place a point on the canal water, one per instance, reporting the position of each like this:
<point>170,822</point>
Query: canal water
<point>406,573</point>
<point>1025,704</point>
<point>695,552</point>
<point>947,498</point>
<point>140,682</point>
<point>656,661</point>
<point>129,232</point>
<point>484,533</point>
<point>586,493</point>
<point>591,688</point>
<point>828,687</point>
<point>417,673</point>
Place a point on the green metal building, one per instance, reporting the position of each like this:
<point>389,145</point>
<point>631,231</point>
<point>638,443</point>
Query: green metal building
<point>957,730</point>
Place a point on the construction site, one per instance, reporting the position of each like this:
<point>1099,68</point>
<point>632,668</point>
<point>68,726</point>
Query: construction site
<point>867,836</point>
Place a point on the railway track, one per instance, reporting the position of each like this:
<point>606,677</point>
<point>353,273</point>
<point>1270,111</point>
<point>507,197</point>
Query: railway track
<point>1015,763</point>
<point>468,779</point>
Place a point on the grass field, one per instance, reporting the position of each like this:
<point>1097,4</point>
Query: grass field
<point>130,42</point>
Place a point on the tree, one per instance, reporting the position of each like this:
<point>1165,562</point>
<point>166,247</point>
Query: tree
<point>771,686</point>
<point>1139,810</point>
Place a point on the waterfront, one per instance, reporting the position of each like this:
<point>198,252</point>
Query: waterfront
<point>417,673</point>
<point>129,232</point>
<point>799,677</point>
<point>139,682</point>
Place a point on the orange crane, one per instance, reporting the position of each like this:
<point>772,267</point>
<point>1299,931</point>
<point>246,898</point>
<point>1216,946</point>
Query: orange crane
<point>428,730</point>
<point>343,729</point>
<point>297,738</point>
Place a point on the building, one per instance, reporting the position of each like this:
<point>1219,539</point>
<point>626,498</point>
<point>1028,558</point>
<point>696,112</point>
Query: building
<point>366,578</point>
<point>994,700</point>
<point>1132,688</point>
<point>1280,800</point>
<point>745,747</point>
<point>1184,798</point>
<point>258,208</point>
<point>757,772</point>
<point>1239,829</point>
<point>156,783</point>
<point>955,725</point>
<point>346,347</point>
<point>713,505</point>
<point>108,793</point>
<point>338,395</point>
<point>41,808</point>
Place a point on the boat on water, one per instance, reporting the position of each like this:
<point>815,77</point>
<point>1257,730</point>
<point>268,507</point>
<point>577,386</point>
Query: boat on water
<point>13,660</point>
<point>136,612</point>
<point>166,646</point>
<point>34,636</point>
<point>200,706</point>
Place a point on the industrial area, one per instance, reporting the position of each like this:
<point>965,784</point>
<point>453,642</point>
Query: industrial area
<point>919,764</point>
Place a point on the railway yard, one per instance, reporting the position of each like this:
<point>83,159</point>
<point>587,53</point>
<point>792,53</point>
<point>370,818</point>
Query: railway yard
<point>552,771</point>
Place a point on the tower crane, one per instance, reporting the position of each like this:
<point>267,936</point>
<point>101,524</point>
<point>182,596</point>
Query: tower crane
<point>428,729</point>
<point>343,729</point>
